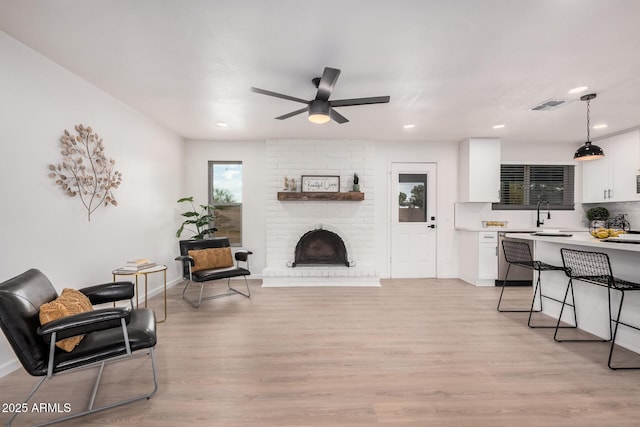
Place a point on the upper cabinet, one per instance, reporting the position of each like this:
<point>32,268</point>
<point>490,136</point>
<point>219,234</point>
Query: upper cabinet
<point>613,178</point>
<point>479,170</point>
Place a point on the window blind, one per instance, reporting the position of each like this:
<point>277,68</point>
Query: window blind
<point>523,186</point>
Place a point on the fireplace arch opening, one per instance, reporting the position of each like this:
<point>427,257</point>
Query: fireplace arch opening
<point>320,247</point>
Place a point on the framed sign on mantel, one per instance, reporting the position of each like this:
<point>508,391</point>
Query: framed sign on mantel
<point>320,184</point>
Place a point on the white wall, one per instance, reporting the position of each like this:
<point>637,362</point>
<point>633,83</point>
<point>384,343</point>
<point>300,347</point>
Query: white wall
<point>43,228</point>
<point>197,155</point>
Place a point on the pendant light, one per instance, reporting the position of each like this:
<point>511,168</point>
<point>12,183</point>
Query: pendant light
<point>588,151</point>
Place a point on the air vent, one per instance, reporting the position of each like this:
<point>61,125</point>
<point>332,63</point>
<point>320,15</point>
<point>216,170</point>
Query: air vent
<point>550,104</point>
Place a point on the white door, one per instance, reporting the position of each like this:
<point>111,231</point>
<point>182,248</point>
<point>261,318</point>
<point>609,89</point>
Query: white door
<point>413,220</point>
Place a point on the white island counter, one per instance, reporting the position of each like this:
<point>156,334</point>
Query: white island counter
<point>591,300</point>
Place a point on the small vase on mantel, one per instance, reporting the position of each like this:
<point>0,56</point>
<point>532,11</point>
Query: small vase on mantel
<point>356,183</point>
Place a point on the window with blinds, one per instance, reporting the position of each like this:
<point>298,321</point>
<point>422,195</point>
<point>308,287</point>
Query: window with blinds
<point>523,186</point>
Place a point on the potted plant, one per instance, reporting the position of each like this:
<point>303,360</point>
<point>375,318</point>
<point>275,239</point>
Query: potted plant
<point>200,220</point>
<point>598,213</point>
<point>597,217</point>
<point>356,182</point>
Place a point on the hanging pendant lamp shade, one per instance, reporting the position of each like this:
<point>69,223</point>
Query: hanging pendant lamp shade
<point>588,151</point>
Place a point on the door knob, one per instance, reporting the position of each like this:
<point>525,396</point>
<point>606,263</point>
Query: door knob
<point>431,226</point>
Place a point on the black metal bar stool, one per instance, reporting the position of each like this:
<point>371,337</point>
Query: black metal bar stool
<point>595,268</point>
<point>519,254</point>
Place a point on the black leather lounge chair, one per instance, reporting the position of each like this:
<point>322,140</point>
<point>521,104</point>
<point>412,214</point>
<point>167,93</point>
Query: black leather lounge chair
<point>195,270</point>
<point>110,334</point>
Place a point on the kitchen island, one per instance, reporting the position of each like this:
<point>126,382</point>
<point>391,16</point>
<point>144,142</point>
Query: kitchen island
<point>591,300</point>
<point>481,250</point>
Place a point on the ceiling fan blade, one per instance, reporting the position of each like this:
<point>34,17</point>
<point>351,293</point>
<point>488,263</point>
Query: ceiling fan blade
<point>278,95</point>
<point>338,117</point>
<point>360,101</point>
<point>293,113</point>
<point>327,82</point>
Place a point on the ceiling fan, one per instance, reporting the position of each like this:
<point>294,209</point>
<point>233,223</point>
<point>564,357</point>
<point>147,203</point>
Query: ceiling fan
<point>320,109</point>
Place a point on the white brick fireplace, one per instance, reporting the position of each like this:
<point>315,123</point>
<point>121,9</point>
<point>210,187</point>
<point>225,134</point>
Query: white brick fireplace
<point>287,221</point>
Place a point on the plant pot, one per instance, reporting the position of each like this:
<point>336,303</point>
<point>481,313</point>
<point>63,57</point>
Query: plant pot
<point>356,187</point>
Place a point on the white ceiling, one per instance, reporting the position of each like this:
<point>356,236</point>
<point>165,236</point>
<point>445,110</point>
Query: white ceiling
<point>454,68</point>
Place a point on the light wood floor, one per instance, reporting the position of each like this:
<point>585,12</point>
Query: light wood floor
<point>413,352</point>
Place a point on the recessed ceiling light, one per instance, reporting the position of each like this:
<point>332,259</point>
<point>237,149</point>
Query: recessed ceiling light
<point>498,126</point>
<point>221,124</point>
<point>578,89</point>
<point>409,126</point>
<point>600,126</point>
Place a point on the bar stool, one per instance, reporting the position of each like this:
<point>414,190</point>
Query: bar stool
<point>519,254</point>
<point>595,268</point>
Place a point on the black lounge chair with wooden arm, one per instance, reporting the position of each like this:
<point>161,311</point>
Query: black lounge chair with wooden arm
<point>110,334</point>
<point>206,260</point>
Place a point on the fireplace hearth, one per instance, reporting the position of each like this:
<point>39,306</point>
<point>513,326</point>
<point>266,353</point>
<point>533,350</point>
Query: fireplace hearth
<point>321,247</point>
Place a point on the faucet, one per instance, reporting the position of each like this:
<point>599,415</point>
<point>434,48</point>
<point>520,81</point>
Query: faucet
<point>538,222</point>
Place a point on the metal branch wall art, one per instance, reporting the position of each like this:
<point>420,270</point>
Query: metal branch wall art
<point>85,171</point>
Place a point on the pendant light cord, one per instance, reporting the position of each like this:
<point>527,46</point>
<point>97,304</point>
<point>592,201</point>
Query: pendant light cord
<point>588,151</point>
<point>588,126</point>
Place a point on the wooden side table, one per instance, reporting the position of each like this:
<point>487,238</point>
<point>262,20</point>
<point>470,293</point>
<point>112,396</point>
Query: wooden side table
<point>146,272</point>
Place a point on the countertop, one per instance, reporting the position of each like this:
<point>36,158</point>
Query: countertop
<point>579,239</point>
<point>521,229</point>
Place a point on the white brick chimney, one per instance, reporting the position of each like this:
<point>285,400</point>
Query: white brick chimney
<point>287,221</point>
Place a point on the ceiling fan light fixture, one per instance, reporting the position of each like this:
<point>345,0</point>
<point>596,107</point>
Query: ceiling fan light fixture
<point>588,151</point>
<point>321,109</point>
<point>319,112</point>
<point>319,118</point>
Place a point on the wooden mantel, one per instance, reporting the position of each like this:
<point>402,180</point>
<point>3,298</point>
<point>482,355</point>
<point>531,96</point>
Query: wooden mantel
<point>351,196</point>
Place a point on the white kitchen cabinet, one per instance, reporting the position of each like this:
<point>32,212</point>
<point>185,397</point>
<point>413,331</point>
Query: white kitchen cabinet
<point>478,255</point>
<point>488,256</point>
<point>623,167</point>
<point>595,176</point>
<point>479,170</point>
<point>613,178</point>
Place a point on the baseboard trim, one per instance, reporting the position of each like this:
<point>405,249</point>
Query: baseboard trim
<point>514,282</point>
<point>7,367</point>
<point>287,282</point>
